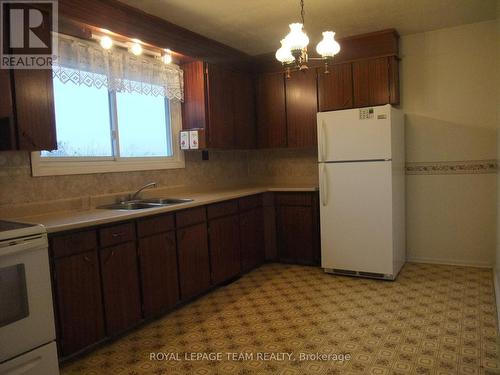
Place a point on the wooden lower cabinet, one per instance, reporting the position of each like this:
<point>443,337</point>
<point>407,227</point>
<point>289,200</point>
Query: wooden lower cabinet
<point>78,301</point>
<point>120,284</point>
<point>194,263</point>
<point>224,242</point>
<point>252,238</point>
<point>158,270</point>
<point>297,225</point>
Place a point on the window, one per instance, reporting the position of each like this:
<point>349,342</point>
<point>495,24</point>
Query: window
<point>115,120</point>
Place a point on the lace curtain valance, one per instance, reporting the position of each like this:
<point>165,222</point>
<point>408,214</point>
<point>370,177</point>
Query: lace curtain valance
<point>84,62</point>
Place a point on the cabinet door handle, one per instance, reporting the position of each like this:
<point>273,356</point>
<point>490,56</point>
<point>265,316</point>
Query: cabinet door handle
<point>118,234</point>
<point>110,256</point>
<point>322,143</point>
<point>87,259</point>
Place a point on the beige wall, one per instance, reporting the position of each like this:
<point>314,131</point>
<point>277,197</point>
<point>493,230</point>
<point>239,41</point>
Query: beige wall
<point>497,268</point>
<point>448,91</point>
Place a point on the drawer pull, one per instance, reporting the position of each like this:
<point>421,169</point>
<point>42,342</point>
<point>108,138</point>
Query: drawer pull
<point>110,256</point>
<point>119,234</point>
<point>87,259</point>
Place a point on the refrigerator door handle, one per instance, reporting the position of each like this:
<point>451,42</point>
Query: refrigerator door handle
<point>324,186</point>
<point>322,141</point>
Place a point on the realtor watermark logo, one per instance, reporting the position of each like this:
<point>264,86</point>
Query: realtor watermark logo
<point>29,34</point>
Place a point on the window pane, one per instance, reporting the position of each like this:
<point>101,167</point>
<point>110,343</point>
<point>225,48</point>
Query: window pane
<point>143,125</point>
<point>82,121</point>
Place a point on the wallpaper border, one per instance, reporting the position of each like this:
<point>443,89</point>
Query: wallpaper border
<point>452,167</point>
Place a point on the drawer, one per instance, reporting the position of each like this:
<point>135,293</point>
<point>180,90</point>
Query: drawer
<point>117,234</point>
<point>222,209</point>
<point>155,224</point>
<point>73,243</point>
<point>293,199</point>
<point>190,216</point>
<point>250,202</point>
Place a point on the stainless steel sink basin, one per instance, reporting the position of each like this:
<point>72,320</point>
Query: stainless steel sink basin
<point>165,201</point>
<point>144,204</point>
<point>128,206</point>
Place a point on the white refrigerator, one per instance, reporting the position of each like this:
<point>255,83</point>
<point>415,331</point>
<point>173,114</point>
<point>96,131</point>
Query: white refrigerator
<point>362,191</point>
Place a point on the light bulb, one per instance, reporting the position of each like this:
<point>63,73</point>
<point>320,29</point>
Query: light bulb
<point>167,57</point>
<point>106,42</point>
<point>283,54</point>
<point>136,49</point>
<point>296,38</point>
<point>328,47</point>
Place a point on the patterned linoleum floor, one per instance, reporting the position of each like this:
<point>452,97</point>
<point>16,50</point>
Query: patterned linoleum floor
<point>432,320</point>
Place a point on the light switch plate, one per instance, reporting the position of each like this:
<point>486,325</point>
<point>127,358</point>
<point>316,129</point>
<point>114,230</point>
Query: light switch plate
<point>193,140</point>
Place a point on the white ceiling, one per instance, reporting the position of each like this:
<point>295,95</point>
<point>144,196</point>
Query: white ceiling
<point>256,26</point>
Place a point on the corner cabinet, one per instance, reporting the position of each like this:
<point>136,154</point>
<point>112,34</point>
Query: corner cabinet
<point>221,102</point>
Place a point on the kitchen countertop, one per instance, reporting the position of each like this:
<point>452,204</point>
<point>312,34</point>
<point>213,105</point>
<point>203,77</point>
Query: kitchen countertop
<point>74,219</point>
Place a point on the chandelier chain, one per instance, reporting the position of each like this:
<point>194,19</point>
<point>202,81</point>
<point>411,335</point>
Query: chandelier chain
<point>302,12</point>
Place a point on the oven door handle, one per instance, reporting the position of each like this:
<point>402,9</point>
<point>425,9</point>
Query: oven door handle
<point>22,245</point>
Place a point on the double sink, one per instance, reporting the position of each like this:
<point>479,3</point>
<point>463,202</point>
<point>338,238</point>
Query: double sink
<point>144,204</point>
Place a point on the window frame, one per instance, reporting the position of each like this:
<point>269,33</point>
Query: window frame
<point>53,166</point>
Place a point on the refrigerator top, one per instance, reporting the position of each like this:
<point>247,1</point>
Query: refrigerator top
<point>360,134</point>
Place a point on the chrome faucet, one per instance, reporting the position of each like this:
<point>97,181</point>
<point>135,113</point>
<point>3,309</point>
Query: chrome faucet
<point>136,194</point>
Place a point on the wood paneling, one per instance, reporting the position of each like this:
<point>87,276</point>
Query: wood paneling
<point>252,201</point>
<point>220,108</point>
<point>252,238</point>
<point>78,302</point>
<point>301,109</point>
<point>194,263</point>
<point>293,199</point>
<point>73,243</point>
<point>133,23</point>
<point>371,82</point>
<point>120,285</point>
<point>271,113</point>
<point>7,129</point>
<point>117,234</point>
<point>158,266</point>
<point>335,88</point>
<point>224,235</point>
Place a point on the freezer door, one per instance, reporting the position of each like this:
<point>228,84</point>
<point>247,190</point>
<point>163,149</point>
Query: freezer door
<point>356,216</point>
<point>355,134</point>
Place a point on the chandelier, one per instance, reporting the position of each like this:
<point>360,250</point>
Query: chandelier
<point>293,51</point>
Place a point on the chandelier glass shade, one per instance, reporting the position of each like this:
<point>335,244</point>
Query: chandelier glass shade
<point>293,50</point>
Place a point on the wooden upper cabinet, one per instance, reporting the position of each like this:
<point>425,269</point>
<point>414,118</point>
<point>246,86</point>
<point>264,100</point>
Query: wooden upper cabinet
<point>221,102</point>
<point>271,110</point>
<point>371,82</point>
<point>27,117</point>
<point>335,88</point>
<point>301,108</point>
<point>220,107</point>
<point>244,110</point>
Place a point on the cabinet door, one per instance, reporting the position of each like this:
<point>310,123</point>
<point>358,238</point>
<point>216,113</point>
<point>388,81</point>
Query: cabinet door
<point>120,283</point>
<point>244,110</point>
<point>7,132</point>
<point>194,266</point>
<point>35,118</point>
<point>371,82</point>
<point>224,248</point>
<point>158,266</point>
<point>220,105</point>
<point>301,108</point>
<point>78,301</point>
<point>335,88</point>
<point>252,238</point>
<point>271,113</point>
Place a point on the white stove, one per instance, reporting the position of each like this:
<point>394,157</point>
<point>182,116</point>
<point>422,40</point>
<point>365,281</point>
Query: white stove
<point>27,332</point>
